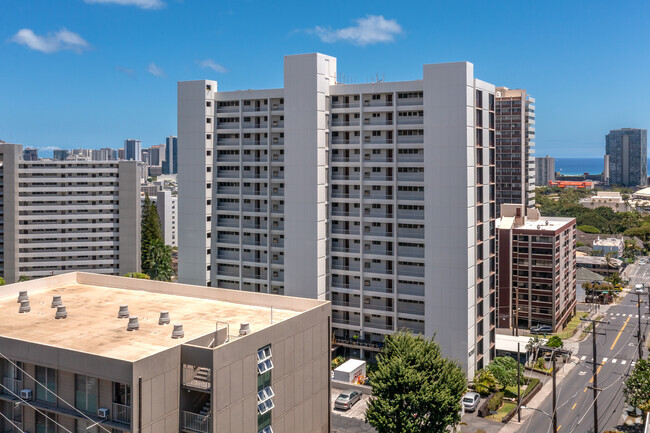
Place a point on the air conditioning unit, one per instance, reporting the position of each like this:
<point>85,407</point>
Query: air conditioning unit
<point>102,412</point>
<point>26,394</point>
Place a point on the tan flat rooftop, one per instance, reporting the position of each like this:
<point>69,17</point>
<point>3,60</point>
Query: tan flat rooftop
<point>92,325</point>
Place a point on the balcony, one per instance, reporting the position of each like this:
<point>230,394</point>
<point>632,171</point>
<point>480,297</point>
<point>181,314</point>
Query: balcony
<point>336,140</point>
<point>416,327</point>
<point>341,303</point>
<point>378,325</point>
<point>410,270</point>
<point>337,158</point>
<point>378,268</point>
<point>11,385</point>
<point>342,248</point>
<point>341,194</point>
<point>342,230</point>
<point>343,266</point>
<point>377,103</point>
<point>377,121</point>
<point>339,104</point>
<point>352,122</point>
<point>338,283</point>
<point>343,321</point>
<point>196,422</point>
<point>411,289</point>
<point>121,413</point>
<point>410,101</point>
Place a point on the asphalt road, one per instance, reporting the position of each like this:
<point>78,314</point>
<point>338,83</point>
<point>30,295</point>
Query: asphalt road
<point>616,355</point>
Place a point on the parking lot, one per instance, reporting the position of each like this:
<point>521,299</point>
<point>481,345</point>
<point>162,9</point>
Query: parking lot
<point>351,420</point>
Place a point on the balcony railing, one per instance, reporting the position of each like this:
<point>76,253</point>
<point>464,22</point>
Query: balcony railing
<point>357,342</point>
<point>196,422</point>
<point>121,413</point>
<point>11,385</point>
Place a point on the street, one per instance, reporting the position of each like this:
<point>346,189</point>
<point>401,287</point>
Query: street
<point>616,355</point>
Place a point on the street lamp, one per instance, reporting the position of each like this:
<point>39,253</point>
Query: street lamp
<point>538,410</point>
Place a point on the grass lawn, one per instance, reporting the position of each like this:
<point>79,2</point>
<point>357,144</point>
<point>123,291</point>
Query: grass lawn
<point>511,391</point>
<point>503,411</point>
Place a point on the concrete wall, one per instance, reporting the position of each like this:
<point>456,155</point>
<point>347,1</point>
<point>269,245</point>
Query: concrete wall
<point>129,216</point>
<point>306,79</point>
<point>10,160</point>
<point>193,145</point>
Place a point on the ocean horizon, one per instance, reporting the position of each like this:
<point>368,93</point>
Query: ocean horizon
<point>579,166</point>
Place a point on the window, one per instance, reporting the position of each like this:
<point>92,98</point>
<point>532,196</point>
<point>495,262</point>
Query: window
<point>47,377</point>
<point>121,393</point>
<point>45,422</point>
<point>264,362</point>
<point>86,393</point>
<point>264,402</point>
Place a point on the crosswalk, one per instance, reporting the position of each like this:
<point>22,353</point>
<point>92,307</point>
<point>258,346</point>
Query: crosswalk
<point>613,361</point>
<point>636,316</point>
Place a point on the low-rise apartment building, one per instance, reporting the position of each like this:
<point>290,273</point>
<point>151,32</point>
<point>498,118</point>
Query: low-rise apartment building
<point>537,268</point>
<point>62,216</point>
<point>125,355</point>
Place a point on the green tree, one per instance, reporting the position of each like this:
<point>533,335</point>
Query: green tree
<point>159,261</point>
<point>533,345</point>
<point>504,369</point>
<point>139,275</point>
<point>414,388</point>
<point>485,382</point>
<point>23,278</point>
<point>615,279</point>
<point>555,342</point>
<point>588,229</point>
<point>2,281</point>
<point>637,386</point>
<point>150,231</point>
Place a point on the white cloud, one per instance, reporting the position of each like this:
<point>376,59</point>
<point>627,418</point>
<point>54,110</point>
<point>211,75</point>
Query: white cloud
<point>48,148</point>
<point>211,64</point>
<point>154,70</point>
<point>51,43</point>
<point>127,71</point>
<point>369,30</point>
<point>142,4</point>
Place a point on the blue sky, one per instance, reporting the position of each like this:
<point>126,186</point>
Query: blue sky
<point>91,73</point>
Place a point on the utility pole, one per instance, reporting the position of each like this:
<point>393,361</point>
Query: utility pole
<point>594,367</point>
<point>638,335</point>
<point>554,352</point>
<point>518,387</point>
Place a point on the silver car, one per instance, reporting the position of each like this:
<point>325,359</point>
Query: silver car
<point>346,399</point>
<point>471,401</point>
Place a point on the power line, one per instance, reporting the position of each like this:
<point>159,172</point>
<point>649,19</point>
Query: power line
<point>53,393</point>
<point>12,423</point>
<point>35,409</point>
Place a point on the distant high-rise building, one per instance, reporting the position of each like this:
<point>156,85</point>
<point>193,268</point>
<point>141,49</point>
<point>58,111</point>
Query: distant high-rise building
<point>515,120</point>
<point>156,155</point>
<point>94,225</point>
<point>170,164</point>
<point>133,149</point>
<point>606,170</point>
<point>544,170</point>
<point>144,156</point>
<point>60,154</point>
<point>627,149</point>
<point>379,197</point>
<point>121,153</point>
<point>30,154</point>
<point>166,204</point>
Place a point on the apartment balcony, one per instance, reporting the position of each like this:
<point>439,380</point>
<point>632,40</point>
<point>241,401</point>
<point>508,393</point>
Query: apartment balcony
<point>228,142</point>
<point>277,107</point>
<point>378,325</point>
<point>377,121</point>
<point>410,177</point>
<point>377,177</point>
<point>377,231</point>
<point>380,287</point>
<point>410,101</point>
<point>410,195</point>
<point>11,385</point>
<point>377,305</point>
<point>233,190</point>
<point>228,109</point>
<point>377,103</point>
<point>277,157</point>
<point>340,303</point>
<point>253,241</point>
<point>277,192</point>
<point>229,271</point>
<point>341,248</point>
<point>378,268</point>
<point>342,194</point>
<point>227,255</point>
<point>415,327</point>
<point>410,120</point>
<point>277,141</point>
<point>228,206</point>
<point>351,266</point>
<point>277,124</point>
<point>378,250</point>
<point>255,125</point>
<point>227,239</point>
<point>356,322</point>
<point>346,176</point>
<point>337,140</point>
<point>410,139</point>
<point>410,308</point>
<point>196,422</point>
<point>277,225</point>
<point>121,413</point>
<point>410,157</point>
<point>228,157</point>
<point>411,289</point>
<point>417,252</point>
<point>255,158</point>
<point>250,174</point>
<point>353,158</point>
<point>255,191</point>
<point>377,213</point>
<point>377,140</point>
<point>338,104</point>
<point>255,274</point>
<point>339,283</point>
<point>227,125</point>
<point>410,270</point>
<point>251,224</point>
<point>277,242</point>
<point>377,195</point>
<point>379,158</point>
<point>228,174</point>
<point>354,231</point>
<point>410,214</point>
<point>254,209</point>
<point>351,122</point>
<point>253,109</point>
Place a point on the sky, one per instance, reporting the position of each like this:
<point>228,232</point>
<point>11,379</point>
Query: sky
<point>92,73</point>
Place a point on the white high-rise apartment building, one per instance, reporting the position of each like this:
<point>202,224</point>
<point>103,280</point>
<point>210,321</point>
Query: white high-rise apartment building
<point>62,216</point>
<point>377,196</point>
<point>544,170</point>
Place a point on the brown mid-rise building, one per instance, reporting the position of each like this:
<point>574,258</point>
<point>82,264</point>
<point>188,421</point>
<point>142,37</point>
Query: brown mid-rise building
<point>537,268</point>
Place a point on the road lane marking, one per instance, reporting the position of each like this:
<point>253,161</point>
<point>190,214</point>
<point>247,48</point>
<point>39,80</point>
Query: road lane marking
<point>583,357</point>
<point>613,361</point>
<point>574,406</point>
<point>559,427</point>
<point>605,360</point>
<point>623,362</point>
<point>597,371</point>
<point>618,314</point>
<point>619,334</point>
<point>585,389</point>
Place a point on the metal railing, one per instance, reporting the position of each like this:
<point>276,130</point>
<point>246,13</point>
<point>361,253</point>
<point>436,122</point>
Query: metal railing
<point>121,413</point>
<point>197,377</point>
<point>196,422</point>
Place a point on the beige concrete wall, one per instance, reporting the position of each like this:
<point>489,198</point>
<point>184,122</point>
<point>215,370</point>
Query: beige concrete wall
<point>10,157</point>
<point>129,218</point>
<point>300,377</point>
<point>160,392</point>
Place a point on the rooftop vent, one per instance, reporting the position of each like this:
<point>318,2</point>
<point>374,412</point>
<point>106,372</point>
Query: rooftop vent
<point>164,318</point>
<point>24,306</point>
<point>22,296</point>
<point>56,301</point>
<point>244,328</point>
<point>178,331</point>
<point>61,312</point>
<point>133,324</point>
<point>124,312</point>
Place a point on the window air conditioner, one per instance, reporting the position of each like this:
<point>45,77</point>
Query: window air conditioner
<point>26,394</point>
<point>102,412</point>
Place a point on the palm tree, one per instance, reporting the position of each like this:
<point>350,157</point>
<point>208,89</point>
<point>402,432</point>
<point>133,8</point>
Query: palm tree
<point>533,344</point>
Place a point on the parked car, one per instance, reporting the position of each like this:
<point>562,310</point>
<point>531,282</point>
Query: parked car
<point>346,399</point>
<point>541,329</point>
<point>471,401</point>
<point>638,288</point>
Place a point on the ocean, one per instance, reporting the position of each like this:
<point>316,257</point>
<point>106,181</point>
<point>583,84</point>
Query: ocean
<point>578,166</point>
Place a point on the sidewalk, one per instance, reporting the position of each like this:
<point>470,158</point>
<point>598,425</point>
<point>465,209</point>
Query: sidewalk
<point>547,389</point>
